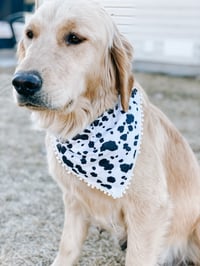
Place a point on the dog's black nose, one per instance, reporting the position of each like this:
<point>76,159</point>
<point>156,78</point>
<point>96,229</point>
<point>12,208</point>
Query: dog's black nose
<point>27,83</point>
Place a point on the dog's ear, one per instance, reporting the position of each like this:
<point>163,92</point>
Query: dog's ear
<point>122,55</point>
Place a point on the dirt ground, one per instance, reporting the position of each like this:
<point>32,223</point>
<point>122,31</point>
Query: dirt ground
<point>31,209</point>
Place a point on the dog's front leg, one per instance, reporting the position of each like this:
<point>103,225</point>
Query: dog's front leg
<point>74,233</point>
<point>146,229</point>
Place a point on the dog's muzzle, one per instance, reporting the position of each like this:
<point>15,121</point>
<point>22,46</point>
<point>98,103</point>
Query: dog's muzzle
<point>28,85</point>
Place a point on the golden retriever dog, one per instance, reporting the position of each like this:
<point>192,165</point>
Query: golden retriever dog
<point>75,75</point>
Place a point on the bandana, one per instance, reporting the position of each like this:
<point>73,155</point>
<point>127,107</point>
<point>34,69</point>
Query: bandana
<point>104,154</point>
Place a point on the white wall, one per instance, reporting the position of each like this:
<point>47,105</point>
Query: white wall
<point>163,32</point>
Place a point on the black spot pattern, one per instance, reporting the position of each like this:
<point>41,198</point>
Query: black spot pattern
<point>91,144</point>
<point>104,118</point>
<point>127,147</point>
<point>106,186</point>
<point>98,135</point>
<point>104,154</point>
<point>80,170</point>
<point>69,146</point>
<point>129,118</point>
<point>121,129</point>
<point>109,145</point>
<point>126,167</point>
<point>111,179</point>
<point>83,161</point>
<point>67,162</point>
<point>123,137</point>
<point>93,174</point>
<point>106,164</point>
<point>81,137</point>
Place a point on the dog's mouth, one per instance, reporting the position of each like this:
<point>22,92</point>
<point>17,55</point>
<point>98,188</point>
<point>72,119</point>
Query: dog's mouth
<point>33,103</point>
<point>39,105</point>
<point>33,106</point>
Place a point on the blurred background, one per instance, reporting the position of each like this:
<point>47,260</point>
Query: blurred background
<point>165,34</point>
<point>12,16</point>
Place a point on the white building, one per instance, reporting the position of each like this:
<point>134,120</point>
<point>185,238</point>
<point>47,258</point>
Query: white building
<point>165,34</point>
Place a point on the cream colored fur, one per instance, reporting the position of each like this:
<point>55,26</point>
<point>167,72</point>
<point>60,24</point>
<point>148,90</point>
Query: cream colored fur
<point>160,213</point>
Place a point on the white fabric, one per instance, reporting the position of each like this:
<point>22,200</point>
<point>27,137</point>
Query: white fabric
<point>104,154</point>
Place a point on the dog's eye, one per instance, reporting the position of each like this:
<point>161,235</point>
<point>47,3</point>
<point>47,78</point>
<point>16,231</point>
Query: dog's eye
<point>73,39</point>
<point>29,34</point>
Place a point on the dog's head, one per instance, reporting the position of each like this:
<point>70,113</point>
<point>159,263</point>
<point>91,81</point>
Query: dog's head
<point>72,57</point>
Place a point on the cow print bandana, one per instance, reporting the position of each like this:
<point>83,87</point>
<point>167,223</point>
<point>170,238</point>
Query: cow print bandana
<point>104,154</point>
